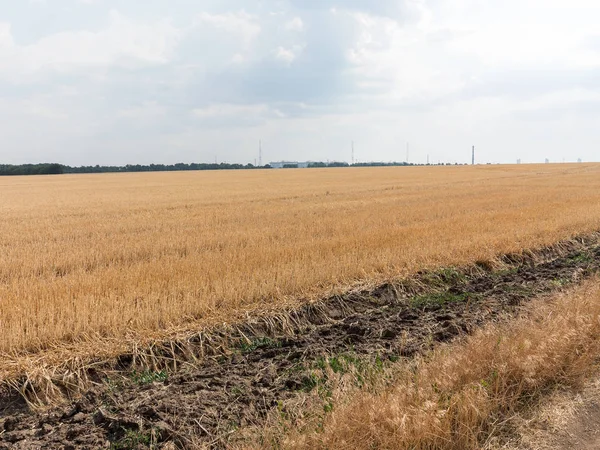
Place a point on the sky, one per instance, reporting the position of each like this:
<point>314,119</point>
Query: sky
<point>86,82</point>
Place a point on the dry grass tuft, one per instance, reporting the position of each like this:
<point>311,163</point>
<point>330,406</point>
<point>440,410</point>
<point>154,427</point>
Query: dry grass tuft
<point>461,396</point>
<point>564,420</point>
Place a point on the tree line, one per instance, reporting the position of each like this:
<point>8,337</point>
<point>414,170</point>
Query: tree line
<point>31,169</point>
<point>56,169</point>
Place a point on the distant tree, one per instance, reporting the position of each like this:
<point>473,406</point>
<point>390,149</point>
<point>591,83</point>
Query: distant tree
<point>54,169</point>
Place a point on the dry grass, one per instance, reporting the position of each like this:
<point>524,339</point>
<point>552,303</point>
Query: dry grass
<point>564,420</point>
<point>93,264</point>
<point>460,397</point>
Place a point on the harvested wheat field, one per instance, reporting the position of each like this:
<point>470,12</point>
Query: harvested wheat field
<point>368,369</point>
<point>243,308</point>
<point>140,255</point>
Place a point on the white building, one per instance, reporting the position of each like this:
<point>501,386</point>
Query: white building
<point>282,164</point>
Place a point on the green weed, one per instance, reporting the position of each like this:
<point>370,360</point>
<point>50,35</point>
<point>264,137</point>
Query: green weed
<point>581,258</point>
<point>148,376</point>
<point>246,346</point>
<point>133,440</point>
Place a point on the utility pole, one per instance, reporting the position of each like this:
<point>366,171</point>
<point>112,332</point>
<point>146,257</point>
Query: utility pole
<point>407,153</point>
<point>427,158</point>
<point>352,152</point>
<point>473,157</point>
<point>260,153</point>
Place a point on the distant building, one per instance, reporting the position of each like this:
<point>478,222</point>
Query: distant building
<point>289,164</point>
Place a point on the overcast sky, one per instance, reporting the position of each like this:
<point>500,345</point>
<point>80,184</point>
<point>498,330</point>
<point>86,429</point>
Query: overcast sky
<point>166,81</point>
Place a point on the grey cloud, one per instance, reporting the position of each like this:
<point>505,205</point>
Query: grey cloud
<point>319,73</point>
<point>218,88</point>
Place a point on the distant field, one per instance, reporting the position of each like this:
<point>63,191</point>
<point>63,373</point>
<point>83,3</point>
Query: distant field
<point>89,257</point>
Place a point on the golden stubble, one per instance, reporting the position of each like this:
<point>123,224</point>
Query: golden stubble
<point>86,258</point>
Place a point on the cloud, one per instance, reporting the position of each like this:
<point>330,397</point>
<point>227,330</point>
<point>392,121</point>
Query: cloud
<point>146,111</point>
<point>123,43</point>
<point>388,8</point>
<point>295,24</point>
<point>239,23</point>
<point>6,40</point>
<point>231,115</point>
<point>114,82</point>
<point>287,55</point>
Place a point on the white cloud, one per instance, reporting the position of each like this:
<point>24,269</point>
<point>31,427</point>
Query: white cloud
<point>296,24</point>
<point>145,112</point>
<point>403,62</point>
<point>230,111</point>
<point>238,58</point>
<point>239,23</point>
<point>124,43</point>
<point>6,39</point>
<point>528,45</point>
<point>287,55</point>
<point>42,109</point>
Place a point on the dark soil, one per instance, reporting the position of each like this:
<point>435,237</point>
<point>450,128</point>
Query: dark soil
<point>202,403</point>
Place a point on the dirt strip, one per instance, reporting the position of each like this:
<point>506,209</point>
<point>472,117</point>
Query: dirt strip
<point>203,403</point>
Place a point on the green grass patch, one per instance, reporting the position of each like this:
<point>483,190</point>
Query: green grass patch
<point>560,282</point>
<point>248,346</point>
<point>448,275</point>
<point>148,376</point>
<point>581,258</point>
<point>133,440</point>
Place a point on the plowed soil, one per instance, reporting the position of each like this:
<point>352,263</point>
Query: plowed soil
<point>205,401</point>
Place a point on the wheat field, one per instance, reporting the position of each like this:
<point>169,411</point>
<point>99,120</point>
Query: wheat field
<point>90,257</point>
